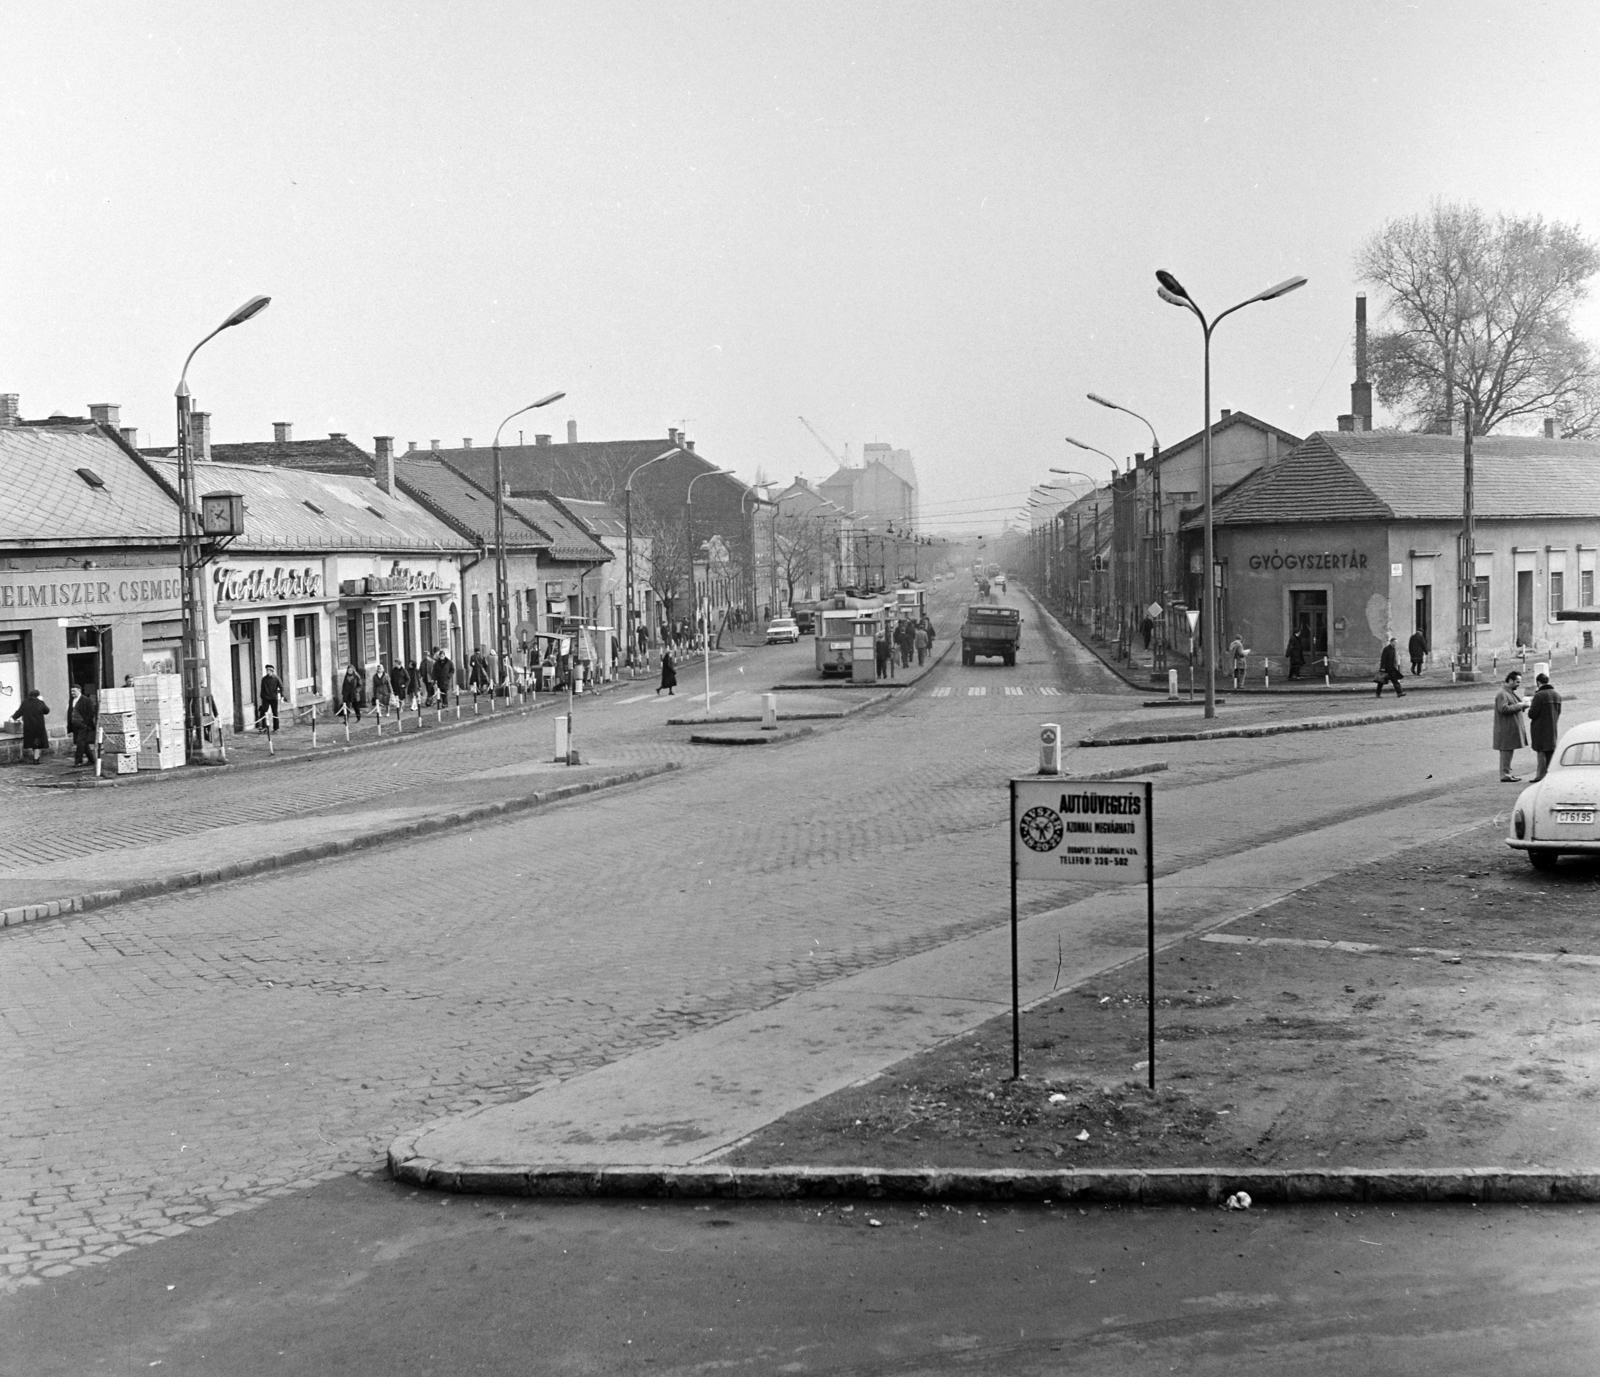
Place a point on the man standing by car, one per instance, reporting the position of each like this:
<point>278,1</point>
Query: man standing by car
<point>1544,722</point>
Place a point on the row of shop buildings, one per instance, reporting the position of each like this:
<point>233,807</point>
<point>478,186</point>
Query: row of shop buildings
<point>347,558</point>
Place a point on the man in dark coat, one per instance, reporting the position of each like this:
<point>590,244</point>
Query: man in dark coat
<point>267,699</point>
<point>1296,652</point>
<point>1417,647</point>
<point>1544,723</point>
<point>82,718</point>
<point>1389,669</point>
<point>669,675</point>
<point>478,677</point>
<point>35,734</point>
<point>444,671</point>
<point>401,684</point>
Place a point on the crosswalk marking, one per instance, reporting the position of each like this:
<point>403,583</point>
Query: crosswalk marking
<point>941,692</point>
<point>976,692</point>
<point>1049,690</point>
<point>1014,690</point>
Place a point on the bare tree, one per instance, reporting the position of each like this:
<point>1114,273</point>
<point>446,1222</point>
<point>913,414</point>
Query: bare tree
<point>794,551</point>
<point>667,552</point>
<point>1480,309</point>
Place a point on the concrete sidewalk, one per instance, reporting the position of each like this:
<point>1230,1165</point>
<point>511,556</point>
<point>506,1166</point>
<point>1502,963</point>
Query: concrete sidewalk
<point>657,1121</point>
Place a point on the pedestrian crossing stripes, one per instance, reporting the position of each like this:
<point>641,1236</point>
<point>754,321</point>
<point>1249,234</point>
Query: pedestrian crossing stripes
<point>976,692</point>
<point>1005,690</point>
<point>1014,690</point>
<point>941,692</point>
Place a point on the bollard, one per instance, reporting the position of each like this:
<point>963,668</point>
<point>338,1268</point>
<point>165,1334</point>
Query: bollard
<point>1172,684</point>
<point>1266,672</point>
<point>313,726</point>
<point>271,749</point>
<point>1050,749</point>
<point>222,744</point>
<point>563,728</point>
<point>99,749</point>
<point>380,726</point>
<point>769,712</point>
<point>458,705</point>
<point>1327,677</point>
<point>474,702</point>
<point>346,716</point>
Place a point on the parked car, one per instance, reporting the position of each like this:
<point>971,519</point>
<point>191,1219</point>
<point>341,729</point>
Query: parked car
<point>1557,815</point>
<point>783,631</point>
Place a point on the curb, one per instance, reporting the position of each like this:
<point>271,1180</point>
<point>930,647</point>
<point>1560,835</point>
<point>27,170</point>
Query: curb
<point>302,855</point>
<point>1113,1185</point>
<point>1315,724</point>
<point>748,738</point>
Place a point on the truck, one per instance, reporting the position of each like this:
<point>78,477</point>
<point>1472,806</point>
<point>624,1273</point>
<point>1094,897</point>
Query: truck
<point>988,629</point>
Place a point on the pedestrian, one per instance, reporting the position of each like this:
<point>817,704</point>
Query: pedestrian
<point>1417,647</point>
<point>1510,724</point>
<point>350,692</point>
<point>1147,630</point>
<point>1296,653</point>
<point>908,643</point>
<point>82,718</point>
<point>927,625</point>
<point>267,699</point>
<point>35,735</point>
<point>382,688</point>
<point>669,675</point>
<point>444,673</point>
<point>880,654</point>
<point>478,672</point>
<point>1240,657</point>
<point>1544,723</point>
<point>400,684</point>
<point>1389,669</point>
<point>920,640</point>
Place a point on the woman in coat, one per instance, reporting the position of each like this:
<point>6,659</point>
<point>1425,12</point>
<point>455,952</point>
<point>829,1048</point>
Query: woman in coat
<point>350,692</point>
<point>35,735</point>
<point>669,674</point>
<point>1510,724</point>
<point>381,689</point>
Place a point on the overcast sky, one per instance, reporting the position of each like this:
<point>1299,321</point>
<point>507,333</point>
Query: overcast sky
<point>931,224</point>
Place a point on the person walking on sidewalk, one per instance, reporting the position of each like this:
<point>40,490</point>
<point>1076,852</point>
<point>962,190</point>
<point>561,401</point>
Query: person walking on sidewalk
<point>919,638</point>
<point>350,692</point>
<point>35,734</point>
<point>880,653</point>
<point>1296,653</point>
<point>1510,724</point>
<point>267,699</point>
<point>82,718</point>
<point>444,674</point>
<point>478,672</point>
<point>400,685</point>
<point>1389,670</point>
<point>1417,647</point>
<point>381,690</point>
<point>1544,723</point>
<point>669,675</point>
<point>1240,657</point>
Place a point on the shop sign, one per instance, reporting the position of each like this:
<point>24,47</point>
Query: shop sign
<point>88,593</point>
<point>398,582</point>
<point>279,583</point>
<point>1307,563</point>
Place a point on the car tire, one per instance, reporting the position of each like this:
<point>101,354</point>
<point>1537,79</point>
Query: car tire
<point>1543,860</point>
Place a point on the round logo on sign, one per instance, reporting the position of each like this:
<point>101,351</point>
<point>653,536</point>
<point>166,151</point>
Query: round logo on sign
<point>1048,737</point>
<point>1040,829</point>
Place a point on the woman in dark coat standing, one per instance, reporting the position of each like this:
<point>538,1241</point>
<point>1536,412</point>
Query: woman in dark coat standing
<point>669,674</point>
<point>350,692</point>
<point>35,735</point>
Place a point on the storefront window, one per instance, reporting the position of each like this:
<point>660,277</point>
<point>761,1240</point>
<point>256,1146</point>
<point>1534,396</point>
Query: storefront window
<point>1558,583</point>
<point>14,679</point>
<point>162,647</point>
<point>1480,599</point>
<point>1586,587</point>
<point>307,655</point>
<point>88,655</point>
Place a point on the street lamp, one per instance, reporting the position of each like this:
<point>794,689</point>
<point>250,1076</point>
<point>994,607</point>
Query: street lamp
<point>1158,532</point>
<point>1173,293</point>
<point>1092,450</point>
<point>694,612</point>
<point>196,644</point>
<point>502,590</point>
<point>627,517</point>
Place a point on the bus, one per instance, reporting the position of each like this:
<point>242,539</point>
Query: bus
<point>836,620</point>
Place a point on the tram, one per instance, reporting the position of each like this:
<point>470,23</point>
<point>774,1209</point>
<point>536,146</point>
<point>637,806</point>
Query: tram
<point>837,618</point>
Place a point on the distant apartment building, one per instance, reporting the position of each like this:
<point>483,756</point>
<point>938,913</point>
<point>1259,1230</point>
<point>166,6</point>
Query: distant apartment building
<point>882,492</point>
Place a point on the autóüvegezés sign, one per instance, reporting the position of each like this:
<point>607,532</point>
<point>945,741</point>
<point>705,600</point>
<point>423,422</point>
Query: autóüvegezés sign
<point>1067,830</point>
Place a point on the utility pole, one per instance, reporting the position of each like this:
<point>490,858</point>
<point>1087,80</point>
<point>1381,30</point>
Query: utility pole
<point>1467,577</point>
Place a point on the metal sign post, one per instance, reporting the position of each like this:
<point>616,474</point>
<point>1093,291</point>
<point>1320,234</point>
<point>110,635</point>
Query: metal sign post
<point>1101,831</point>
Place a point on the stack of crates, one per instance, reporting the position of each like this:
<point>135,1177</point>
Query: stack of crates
<point>119,731</point>
<point>159,701</point>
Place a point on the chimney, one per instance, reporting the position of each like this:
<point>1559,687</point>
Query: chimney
<point>282,432</point>
<point>541,440</point>
<point>106,414</point>
<point>130,436</point>
<point>1361,389</point>
<point>433,445</point>
<point>1549,427</point>
<point>411,446</point>
<point>1226,412</point>
<point>672,435</point>
<point>1347,422</point>
<point>200,436</point>
<point>689,445</point>
<point>383,462</point>
<point>10,405</point>
<point>338,435</point>
<point>466,442</point>
<point>572,432</point>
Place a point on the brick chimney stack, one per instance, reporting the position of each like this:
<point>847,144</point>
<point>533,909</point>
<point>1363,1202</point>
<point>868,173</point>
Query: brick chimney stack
<point>383,462</point>
<point>1361,389</point>
<point>10,408</point>
<point>282,432</point>
<point>130,436</point>
<point>106,414</point>
<point>200,436</point>
<point>572,432</point>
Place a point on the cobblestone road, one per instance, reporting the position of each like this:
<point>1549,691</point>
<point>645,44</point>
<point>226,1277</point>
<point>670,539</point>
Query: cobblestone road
<point>168,1062</point>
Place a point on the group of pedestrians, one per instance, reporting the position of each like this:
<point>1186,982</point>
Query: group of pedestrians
<point>401,686</point>
<point>1520,722</point>
<point>896,644</point>
<point>83,720</point>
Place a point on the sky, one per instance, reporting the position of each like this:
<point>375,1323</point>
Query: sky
<point>930,224</point>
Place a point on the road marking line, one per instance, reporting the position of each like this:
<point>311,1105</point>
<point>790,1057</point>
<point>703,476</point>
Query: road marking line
<point>1014,690</point>
<point>642,698</point>
<point>940,692</point>
<point>976,692</point>
<point>1049,692</point>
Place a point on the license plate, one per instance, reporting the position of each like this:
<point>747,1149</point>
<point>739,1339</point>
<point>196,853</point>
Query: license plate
<point>1575,815</point>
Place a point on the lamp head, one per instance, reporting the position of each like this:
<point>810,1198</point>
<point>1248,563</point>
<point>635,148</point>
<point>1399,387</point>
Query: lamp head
<point>254,306</point>
<point>1101,401</point>
<point>1171,284</point>
<point>545,401</point>
<point>1172,299</point>
<point>1283,288</point>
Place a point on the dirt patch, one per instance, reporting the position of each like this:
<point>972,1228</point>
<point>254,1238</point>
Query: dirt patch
<point>1436,1038</point>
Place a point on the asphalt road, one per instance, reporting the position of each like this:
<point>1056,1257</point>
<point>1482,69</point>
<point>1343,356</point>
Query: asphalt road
<point>365,1279</point>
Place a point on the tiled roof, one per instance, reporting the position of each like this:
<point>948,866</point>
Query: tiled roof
<point>568,539</point>
<point>291,509</point>
<point>43,498</point>
<point>594,469</point>
<point>336,454</point>
<point>1362,476</point>
<point>600,518</point>
<point>462,504</point>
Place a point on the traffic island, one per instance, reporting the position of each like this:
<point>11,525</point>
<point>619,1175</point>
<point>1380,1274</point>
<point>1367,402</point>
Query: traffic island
<point>755,738</point>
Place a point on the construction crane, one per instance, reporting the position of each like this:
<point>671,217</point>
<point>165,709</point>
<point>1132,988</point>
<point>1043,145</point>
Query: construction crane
<point>827,448</point>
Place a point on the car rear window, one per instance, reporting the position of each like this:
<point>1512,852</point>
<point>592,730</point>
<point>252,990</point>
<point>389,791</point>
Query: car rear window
<point>1582,753</point>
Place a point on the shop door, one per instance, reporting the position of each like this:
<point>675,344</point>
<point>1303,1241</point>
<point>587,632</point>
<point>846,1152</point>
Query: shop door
<point>246,673</point>
<point>1308,612</point>
<point>386,635</point>
<point>278,648</point>
<point>1422,615</point>
<point>1524,606</point>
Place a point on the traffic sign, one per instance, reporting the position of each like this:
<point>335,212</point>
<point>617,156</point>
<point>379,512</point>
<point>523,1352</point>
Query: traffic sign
<point>1155,610</point>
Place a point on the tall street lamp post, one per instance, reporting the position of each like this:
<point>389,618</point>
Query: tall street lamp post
<point>1158,533</point>
<point>502,585</point>
<point>1173,293</point>
<point>627,540</point>
<point>191,558</point>
<point>694,600</point>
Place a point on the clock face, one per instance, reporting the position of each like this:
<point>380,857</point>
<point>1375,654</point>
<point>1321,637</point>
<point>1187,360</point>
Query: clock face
<point>1040,829</point>
<point>216,515</point>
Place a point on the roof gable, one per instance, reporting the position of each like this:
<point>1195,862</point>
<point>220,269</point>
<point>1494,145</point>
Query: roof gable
<point>44,497</point>
<point>462,504</point>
